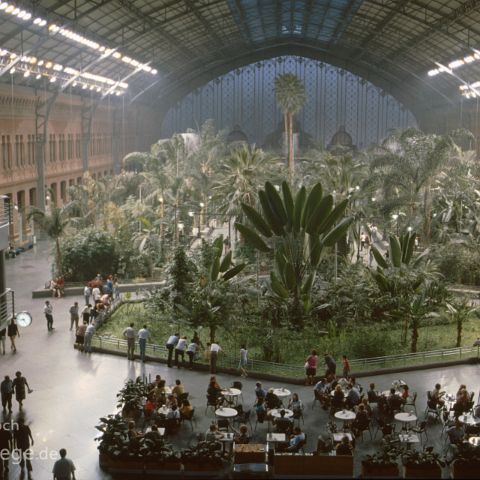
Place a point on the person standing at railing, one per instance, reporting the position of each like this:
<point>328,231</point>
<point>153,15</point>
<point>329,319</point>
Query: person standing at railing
<point>214,351</point>
<point>243,361</point>
<point>87,291</point>
<point>143,336</point>
<point>180,350</point>
<point>191,352</point>
<point>130,334</point>
<point>171,343</point>
<point>87,342</point>
<point>74,316</point>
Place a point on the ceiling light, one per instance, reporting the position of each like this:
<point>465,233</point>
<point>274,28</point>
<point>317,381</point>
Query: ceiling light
<point>48,65</point>
<point>3,5</point>
<point>154,71</point>
<point>40,63</point>
<point>92,87</point>
<point>127,59</point>
<point>84,86</point>
<point>12,70</point>
<point>74,84</point>
<point>27,16</point>
<point>456,64</point>
<point>463,87</point>
<point>99,89</point>
<point>13,55</point>
<point>57,67</point>
<point>14,11</point>
<point>26,74</point>
<point>37,21</point>
<point>38,76</point>
<point>53,79</point>
<point>54,28</point>
<point>21,13</point>
<point>33,60</point>
<point>9,8</point>
<point>117,55</point>
<point>469,59</point>
<point>42,23</point>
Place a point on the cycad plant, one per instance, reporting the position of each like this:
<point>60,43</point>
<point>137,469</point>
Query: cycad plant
<point>290,96</point>
<point>296,229</point>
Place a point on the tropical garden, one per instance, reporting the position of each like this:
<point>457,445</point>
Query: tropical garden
<point>273,250</point>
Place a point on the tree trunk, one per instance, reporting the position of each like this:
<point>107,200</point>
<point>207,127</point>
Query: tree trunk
<point>213,329</point>
<point>414,336</point>
<point>291,160</point>
<point>427,221</point>
<point>459,332</point>
<point>59,257</point>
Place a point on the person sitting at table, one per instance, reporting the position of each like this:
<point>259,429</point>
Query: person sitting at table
<point>456,434</point>
<point>132,433</point>
<point>323,392</point>
<point>271,400</point>
<point>151,386</point>
<point>436,396</point>
<point>178,389</point>
<point>372,394</point>
<point>149,407</point>
<point>173,413</point>
<point>282,423</point>
<point>185,409</point>
<point>332,381</point>
<point>214,391</point>
<point>296,440</point>
<point>361,421</point>
<point>353,397</point>
<point>462,404</point>
<point>296,406</point>
<point>242,437</point>
<point>260,392</point>
<point>406,393</point>
<point>366,406</point>
<point>153,434</point>
<point>171,401</point>
<point>460,391</point>
<point>394,401</point>
<point>344,447</point>
<point>260,407</point>
<point>324,444</point>
<point>338,399</point>
<point>354,384</point>
<point>213,434</point>
<point>160,393</point>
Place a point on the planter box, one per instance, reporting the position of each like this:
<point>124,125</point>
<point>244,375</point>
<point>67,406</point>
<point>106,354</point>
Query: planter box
<point>422,471</point>
<point>131,466</point>
<point>312,466</point>
<point>163,469</point>
<point>462,469</point>
<point>104,461</point>
<point>380,471</point>
<point>250,453</point>
<point>202,467</point>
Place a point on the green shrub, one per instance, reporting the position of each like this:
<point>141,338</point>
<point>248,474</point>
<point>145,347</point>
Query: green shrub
<point>88,253</point>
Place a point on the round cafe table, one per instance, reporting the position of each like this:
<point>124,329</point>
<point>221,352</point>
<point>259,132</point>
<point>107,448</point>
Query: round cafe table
<point>231,393</point>
<point>345,416</point>
<point>386,393</point>
<point>475,441</point>
<point>226,412</point>
<point>406,417</point>
<point>275,412</point>
<point>282,393</point>
<point>468,419</point>
<point>163,410</point>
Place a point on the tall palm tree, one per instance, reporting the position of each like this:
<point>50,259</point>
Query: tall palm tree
<point>54,223</point>
<point>290,96</point>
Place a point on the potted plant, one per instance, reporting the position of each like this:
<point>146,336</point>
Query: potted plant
<point>426,464</point>
<point>204,457</point>
<point>159,455</point>
<point>466,463</point>
<point>381,464</point>
<point>130,398</point>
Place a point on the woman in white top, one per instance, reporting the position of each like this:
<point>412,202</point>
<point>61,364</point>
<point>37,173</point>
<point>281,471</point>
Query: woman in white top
<point>243,361</point>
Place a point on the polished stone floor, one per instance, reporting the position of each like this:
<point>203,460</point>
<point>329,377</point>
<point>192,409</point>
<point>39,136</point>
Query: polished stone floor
<point>72,390</point>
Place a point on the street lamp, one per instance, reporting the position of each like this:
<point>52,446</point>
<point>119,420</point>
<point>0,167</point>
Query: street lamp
<point>395,219</point>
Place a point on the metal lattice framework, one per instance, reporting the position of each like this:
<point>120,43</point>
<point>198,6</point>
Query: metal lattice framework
<point>391,43</point>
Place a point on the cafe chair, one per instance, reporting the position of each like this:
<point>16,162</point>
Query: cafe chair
<point>421,429</point>
<point>297,415</point>
<point>411,402</point>
<point>182,397</point>
<point>223,424</point>
<point>316,398</point>
<point>432,407</point>
<point>212,402</point>
<point>243,417</point>
<point>261,417</point>
<point>188,418</point>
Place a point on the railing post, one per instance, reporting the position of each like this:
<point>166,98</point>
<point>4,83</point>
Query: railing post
<point>460,350</point>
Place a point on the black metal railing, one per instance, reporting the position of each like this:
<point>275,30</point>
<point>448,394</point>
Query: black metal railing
<point>7,307</point>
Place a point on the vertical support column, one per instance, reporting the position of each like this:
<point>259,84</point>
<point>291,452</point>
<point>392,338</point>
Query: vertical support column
<point>88,110</point>
<point>43,108</point>
<point>116,141</point>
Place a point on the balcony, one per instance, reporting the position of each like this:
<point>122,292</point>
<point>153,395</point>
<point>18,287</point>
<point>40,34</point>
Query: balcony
<point>4,225</point>
<point>7,307</point>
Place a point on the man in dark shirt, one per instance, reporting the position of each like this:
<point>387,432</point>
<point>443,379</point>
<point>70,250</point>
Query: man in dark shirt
<point>5,445</point>
<point>283,424</point>
<point>331,365</point>
<point>6,389</point>
<point>394,401</point>
<point>23,440</point>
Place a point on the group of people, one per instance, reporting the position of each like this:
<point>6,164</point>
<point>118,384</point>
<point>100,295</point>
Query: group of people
<point>18,386</point>
<point>11,330</point>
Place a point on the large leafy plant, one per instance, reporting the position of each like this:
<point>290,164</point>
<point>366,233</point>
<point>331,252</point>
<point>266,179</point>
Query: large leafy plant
<point>296,230</point>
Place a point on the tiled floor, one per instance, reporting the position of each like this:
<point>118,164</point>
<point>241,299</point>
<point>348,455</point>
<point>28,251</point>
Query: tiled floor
<point>72,390</point>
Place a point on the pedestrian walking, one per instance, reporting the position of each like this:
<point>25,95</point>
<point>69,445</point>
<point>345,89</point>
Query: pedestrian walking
<point>3,337</point>
<point>171,343</point>
<point>116,289</point>
<point>80,334</point>
<point>74,316</point>
<point>214,351</point>
<point>143,336</point>
<point>12,332</point>
<point>96,294</point>
<point>63,469</point>
<point>87,292</point>
<point>48,310</point>
<point>191,352</point>
<point>180,350</point>
<point>19,383</point>
<point>87,341</point>
<point>23,440</point>
<point>346,367</point>
<point>6,389</point>
<point>243,361</point>
<point>330,364</point>
<point>6,447</point>
<point>130,334</point>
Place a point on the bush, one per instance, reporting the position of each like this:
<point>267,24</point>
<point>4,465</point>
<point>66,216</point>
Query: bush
<point>369,342</point>
<point>86,254</point>
<point>460,264</point>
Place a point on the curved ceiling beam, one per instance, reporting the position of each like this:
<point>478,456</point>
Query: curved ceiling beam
<point>176,88</point>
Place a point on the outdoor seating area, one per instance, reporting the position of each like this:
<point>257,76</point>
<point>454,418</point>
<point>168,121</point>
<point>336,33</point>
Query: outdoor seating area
<point>166,428</point>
